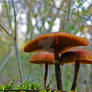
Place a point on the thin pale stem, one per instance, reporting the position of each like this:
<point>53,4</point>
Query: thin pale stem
<point>19,62</point>
<point>6,31</point>
<point>58,72</point>
<point>15,22</point>
<point>77,67</point>
<point>15,44</point>
<point>45,75</point>
<point>6,59</point>
<point>68,14</point>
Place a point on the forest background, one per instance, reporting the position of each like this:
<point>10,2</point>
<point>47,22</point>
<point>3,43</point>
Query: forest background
<point>23,20</point>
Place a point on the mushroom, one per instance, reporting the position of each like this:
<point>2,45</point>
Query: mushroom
<point>43,58</point>
<point>57,42</point>
<point>77,57</point>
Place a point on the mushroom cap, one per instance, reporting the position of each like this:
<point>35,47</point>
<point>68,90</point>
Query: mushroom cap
<point>42,58</point>
<point>57,41</point>
<point>81,55</point>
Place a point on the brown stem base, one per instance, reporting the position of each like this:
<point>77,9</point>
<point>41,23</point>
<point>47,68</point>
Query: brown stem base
<point>77,67</point>
<point>45,75</point>
<point>58,72</point>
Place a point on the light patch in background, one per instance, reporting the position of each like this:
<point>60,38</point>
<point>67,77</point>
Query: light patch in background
<point>77,9</point>
<point>24,19</point>
<point>0,7</point>
<point>21,27</point>
<point>89,23</point>
<point>12,25</point>
<point>78,33</point>
<point>23,16</point>
<point>56,25</point>
<point>85,4</point>
<point>46,25</point>
<point>89,1</point>
<point>87,35</point>
<point>39,24</point>
<point>24,29</point>
<point>28,36</point>
<point>36,31</point>
<point>35,10</point>
<point>33,20</point>
<point>54,11</point>
<point>39,21</point>
<point>57,3</point>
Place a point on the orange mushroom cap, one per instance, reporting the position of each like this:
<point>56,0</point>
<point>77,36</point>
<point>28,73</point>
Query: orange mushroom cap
<point>42,58</point>
<point>59,41</point>
<point>81,55</point>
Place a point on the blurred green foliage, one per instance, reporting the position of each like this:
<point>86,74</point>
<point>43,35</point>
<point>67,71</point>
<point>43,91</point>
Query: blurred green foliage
<point>26,85</point>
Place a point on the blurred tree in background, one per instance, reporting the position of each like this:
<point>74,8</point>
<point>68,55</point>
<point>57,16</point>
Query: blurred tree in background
<point>23,20</point>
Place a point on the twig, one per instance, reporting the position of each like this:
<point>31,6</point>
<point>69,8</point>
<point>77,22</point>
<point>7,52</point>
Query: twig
<point>18,60</point>
<point>69,10</point>
<point>6,59</point>
<point>15,44</point>
<point>6,31</point>
<point>14,40</point>
<point>8,15</point>
<point>15,29</point>
<point>68,15</point>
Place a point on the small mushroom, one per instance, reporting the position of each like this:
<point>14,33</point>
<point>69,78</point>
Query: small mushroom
<point>57,42</point>
<point>43,58</point>
<point>77,57</point>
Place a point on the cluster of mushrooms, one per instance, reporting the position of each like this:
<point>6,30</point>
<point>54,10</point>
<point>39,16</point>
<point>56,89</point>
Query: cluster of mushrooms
<point>55,48</point>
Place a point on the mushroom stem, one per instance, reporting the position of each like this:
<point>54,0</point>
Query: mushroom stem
<point>45,75</point>
<point>58,72</point>
<point>77,67</point>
